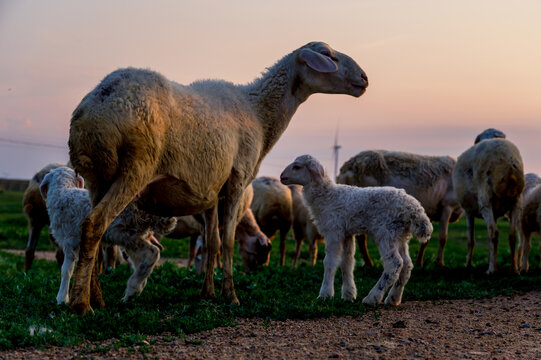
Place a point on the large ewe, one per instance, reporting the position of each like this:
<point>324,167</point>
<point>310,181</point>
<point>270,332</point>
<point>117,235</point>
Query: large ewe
<point>303,226</point>
<point>426,178</point>
<point>530,218</point>
<point>68,204</point>
<point>273,209</point>
<point>488,179</point>
<point>185,146</point>
<point>35,210</point>
<point>341,211</point>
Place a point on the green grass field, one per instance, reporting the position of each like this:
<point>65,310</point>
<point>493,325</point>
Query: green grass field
<point>29,315</point>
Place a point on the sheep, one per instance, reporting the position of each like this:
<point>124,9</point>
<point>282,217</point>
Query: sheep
<point>489,179</point>
<point>426,178</point>
<point>35,210</point>
<point>182,147</point>
<point>254,246</point>
<point>530,218</point>
<point>303,226</point>
<point>68,203</point>
<point>489,133</point>
<point>273,209</point>
<point>341,211</point>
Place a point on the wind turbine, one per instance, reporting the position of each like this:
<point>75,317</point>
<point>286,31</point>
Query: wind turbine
<point>335,150</point>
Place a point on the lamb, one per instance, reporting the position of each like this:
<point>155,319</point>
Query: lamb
<point>489,179</point>
<point>426,178</point>
<point>68,204</point>
<point>35,210</point>
<point>182,147</point>
<point>489,133</point>
<point>341,211</point>
<point>273,209</point>
<point>530,218</point>
<point>303,226</point>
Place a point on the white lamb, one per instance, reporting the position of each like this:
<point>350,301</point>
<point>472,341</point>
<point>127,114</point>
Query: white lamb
<point>68,204</point>
<point>342,211</point>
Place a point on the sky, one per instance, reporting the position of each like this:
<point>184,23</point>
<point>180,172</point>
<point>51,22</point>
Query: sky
<point>440,72</point>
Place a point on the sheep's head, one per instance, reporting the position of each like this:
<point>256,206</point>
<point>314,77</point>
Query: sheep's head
<point>490,133</point>
<point>303,171</point>
<point>61,176</point>
<point>254,245</point>
<point>324,70</point>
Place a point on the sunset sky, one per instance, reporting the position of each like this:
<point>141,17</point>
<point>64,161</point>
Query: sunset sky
<point>440,72</point>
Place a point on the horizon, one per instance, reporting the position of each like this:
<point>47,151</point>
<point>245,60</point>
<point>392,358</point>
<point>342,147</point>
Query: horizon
<point>439,72</point>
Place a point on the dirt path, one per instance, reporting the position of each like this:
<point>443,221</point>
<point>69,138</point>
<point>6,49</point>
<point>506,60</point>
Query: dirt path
<point>499,328</point>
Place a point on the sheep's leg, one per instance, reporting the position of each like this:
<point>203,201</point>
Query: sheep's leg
<point>235,189</point>
<point>361,242</point>
<point>444,227</point>
<point>210,249</point>
<point>59,255</point>
<point>524,250</point>
<point>143,257</point>
<point>349,290</point>
<point>297,251</point>
<point>470,223</point>
<point>86,287</point>
<point>283,234</point>
<point>313,237</point>
<point>395,294</point>
<point>33,237</point>
<point>333,254</point>
<point>492,238</point>
<point>66,272</point>
<point>191,256</point>
<point>514,218</point>
<point>392,265</point>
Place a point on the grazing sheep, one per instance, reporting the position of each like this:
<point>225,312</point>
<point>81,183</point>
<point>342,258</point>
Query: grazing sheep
<point>303,226</point>
<point>182,147</point>
<point>35,210</point>
<point>254,246</point>
<point>273,209</point>
<point>426,178</point>
<point>341,211</point>
<point>530,218</point>
<point>68,204</point>
<point>488,179</point>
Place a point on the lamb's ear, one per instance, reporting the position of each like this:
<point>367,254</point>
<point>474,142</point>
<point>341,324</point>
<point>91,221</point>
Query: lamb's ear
<point>318,62</point>
<point>317,172</point>
<point>44,187</point>
<point>80,181</point>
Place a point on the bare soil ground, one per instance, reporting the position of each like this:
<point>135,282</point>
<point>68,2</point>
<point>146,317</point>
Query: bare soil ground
<point>504,327</point>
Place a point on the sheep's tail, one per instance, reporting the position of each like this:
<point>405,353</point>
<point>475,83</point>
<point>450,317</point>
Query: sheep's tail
<point>421,227</point>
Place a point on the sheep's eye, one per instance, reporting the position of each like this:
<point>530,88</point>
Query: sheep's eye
<point>295,167</point>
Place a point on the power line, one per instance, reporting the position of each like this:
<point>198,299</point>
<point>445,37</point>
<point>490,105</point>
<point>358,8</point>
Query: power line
<point>31,143</point>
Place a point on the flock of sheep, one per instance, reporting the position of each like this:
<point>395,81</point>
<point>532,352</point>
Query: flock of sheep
<point>159,158</point>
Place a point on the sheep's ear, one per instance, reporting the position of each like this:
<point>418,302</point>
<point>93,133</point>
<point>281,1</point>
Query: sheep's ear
<point>80,181</point>
<point>318,62</point>
<point>44,187</point>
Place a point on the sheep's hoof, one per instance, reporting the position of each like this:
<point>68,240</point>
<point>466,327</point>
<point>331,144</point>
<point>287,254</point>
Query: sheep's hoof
<point>393,302</point>
<point>207,294</point>
<point>370,301</point>
<point>81,308</point>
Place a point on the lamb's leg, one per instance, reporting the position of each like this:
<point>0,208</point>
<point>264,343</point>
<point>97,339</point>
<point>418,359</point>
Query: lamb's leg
<point>444,227</point>
<point>65,273</point>
<point>211,243</point>
<point>191,256</point>
<point>392,265</point>
<point>514,218</point>
<point>524,250</point>
<point>470,223</point>
<point>33,237</point>
<point>283,235</point>
<point>234,191</point>
<point>349,290</point>
<point>492,238</point>
<point>333,255</point>
<point>395,294</point>
<point>313,237</point>
<point>144,256</point>
<point>361,242</point>
<point>298,245</point>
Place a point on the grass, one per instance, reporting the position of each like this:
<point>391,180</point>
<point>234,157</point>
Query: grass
<point>170,304</point>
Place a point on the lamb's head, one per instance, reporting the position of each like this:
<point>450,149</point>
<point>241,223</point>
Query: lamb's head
<point>61,177</point>
<point>490,133</point>
<point>254,246</point>
<point>321,69</point>
<point>304,171</point>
